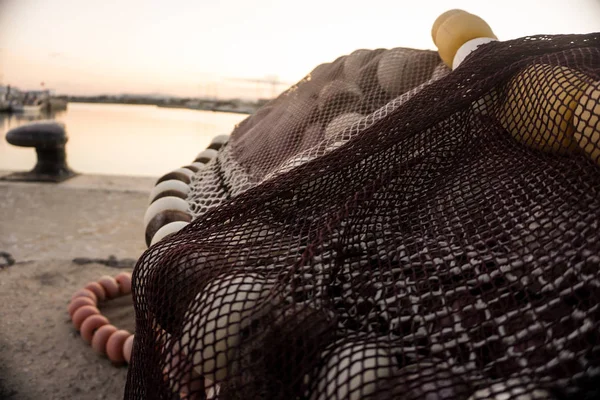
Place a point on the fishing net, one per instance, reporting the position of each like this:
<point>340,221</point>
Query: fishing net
<point>388,228</point>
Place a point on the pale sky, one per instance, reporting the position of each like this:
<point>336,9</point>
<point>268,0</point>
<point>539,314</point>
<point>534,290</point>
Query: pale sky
<point>195,47</point>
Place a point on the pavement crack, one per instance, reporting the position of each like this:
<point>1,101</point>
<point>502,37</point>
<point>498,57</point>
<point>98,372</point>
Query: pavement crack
<point>111,261</point>
<point>9,260</point>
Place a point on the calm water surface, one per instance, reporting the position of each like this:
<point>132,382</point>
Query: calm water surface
<point>118,139</point>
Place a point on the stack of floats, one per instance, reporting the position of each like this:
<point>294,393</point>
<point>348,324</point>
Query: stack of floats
<point>168,210</point>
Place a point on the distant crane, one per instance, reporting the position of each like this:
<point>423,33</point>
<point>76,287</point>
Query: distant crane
<point>272,80</point>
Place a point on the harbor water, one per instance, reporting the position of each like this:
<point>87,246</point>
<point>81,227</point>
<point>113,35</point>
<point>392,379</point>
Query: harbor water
<point>120,139</point>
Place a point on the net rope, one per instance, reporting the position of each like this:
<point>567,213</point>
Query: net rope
<point>388,228</point>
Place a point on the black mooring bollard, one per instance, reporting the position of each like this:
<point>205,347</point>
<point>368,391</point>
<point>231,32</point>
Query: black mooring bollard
<point>49,139</point>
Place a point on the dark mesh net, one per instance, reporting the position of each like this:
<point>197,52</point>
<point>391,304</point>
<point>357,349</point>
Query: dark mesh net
<point>387,229</point>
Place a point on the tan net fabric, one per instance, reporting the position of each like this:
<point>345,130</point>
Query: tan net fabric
<point>441,239</point>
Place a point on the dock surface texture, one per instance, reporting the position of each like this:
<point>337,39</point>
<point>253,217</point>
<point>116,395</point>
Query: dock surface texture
<point>94,220</point>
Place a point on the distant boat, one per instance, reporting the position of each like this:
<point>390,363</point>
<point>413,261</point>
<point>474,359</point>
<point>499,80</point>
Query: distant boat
<point>36,107</point>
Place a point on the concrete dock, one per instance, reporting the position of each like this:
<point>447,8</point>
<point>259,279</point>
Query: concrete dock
<point>43,229</point>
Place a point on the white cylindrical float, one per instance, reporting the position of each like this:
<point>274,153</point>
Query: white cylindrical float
<point>180,174</point>
<point>354,62</point>
<point>341,123</point>
<point>352,371</point>
<point>162,204</point>
<point>171,186</point>
<point>206,155</point>
<point>166,230</point>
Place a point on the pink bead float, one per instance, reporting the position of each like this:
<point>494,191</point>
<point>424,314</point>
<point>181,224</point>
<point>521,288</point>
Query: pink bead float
<point>96,330</point>
<point>117,344</point>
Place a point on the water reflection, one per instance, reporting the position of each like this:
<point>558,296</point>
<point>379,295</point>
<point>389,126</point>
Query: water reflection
<point>123,139</point>
<point>9,121</point>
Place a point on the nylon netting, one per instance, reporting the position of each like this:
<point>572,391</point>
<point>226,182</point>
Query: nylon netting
<point>388,228</point>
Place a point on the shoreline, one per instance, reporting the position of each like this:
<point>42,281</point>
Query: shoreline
<point>156,104</point>
<point>217,106</point>
<point>223,110</point>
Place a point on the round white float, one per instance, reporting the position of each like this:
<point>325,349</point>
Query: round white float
<point>207,155</point>
<point>167,229</point>
<point>171,184</point>
<point>338,94</point>
<point>394,66</point>
<point>220,139</point>
<point>182,174</point>
<point>354,62</point>
<point>199,165</point>
<point>185,171</point>
<point>340,123</point>
<point>320,71</point>
<point>162,204</point>
<point>162,219</point>
<point>218,142</point>
<point>352,371</point>
<point>216,316</point>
